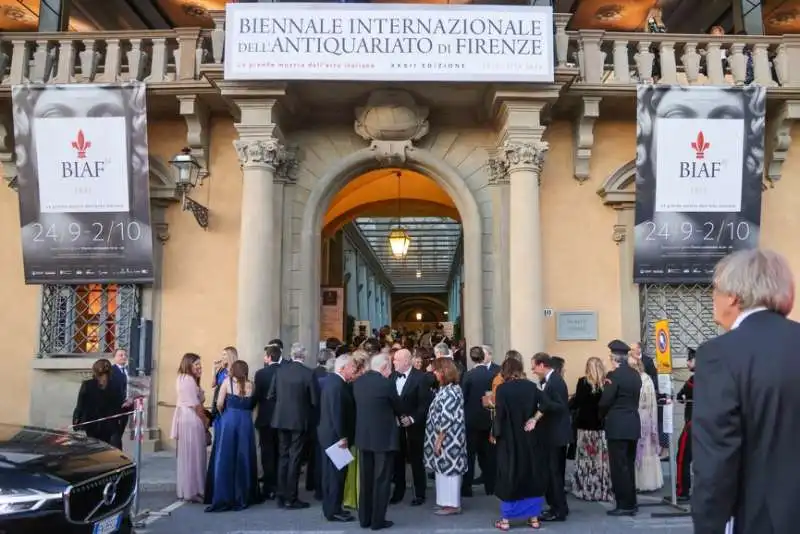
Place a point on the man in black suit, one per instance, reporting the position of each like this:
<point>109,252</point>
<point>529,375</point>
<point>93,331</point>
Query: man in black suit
<point>377,438</point>
<point>295,397</point>
<point>278,343</point>
<point>313,454</point>
<point>267,435</point>
<point>557,432</point>
<point>336,426</point>
<point>747,401</point>
<point>619,405</point>
<point>119,381</point>
<point>415,395</point>
<point>477,381</point>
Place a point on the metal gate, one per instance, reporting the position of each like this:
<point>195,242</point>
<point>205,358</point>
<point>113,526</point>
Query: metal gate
<point>688,308</point>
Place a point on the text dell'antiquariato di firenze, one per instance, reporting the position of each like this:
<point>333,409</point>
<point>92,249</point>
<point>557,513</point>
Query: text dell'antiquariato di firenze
<point>396,35</point>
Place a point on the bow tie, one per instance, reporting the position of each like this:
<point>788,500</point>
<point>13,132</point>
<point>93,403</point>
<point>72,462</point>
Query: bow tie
<point>401,375</point>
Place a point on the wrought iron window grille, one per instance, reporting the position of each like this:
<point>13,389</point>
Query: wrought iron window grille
<point>91,319</point>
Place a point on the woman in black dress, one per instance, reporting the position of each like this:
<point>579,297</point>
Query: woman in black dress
<point>98,400</point>
<point>521,454</point>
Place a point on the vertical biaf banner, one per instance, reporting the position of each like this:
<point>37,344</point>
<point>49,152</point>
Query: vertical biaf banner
<point>83,183</point>
<point>699,170</point>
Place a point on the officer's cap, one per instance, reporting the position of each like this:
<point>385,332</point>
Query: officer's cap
<point>619,347</point>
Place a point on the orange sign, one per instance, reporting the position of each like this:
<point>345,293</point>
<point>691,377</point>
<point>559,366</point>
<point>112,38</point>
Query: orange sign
<point>663,350</point>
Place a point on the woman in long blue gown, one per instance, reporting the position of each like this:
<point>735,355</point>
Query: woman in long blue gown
<point>234,466</point>
<point>222,369</point>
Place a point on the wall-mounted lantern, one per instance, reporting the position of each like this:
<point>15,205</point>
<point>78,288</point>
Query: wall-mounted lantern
<point>188,176</point>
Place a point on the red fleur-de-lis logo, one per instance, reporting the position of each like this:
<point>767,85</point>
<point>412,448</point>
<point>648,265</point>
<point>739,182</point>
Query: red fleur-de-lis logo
<point>700,145</point>
<point>81,145</point>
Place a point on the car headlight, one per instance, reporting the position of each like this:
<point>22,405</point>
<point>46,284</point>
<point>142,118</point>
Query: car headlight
<point>13,500</point>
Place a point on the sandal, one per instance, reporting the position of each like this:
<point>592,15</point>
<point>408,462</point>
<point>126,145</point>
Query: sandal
<point>534,523</point>
<point>502,524</point>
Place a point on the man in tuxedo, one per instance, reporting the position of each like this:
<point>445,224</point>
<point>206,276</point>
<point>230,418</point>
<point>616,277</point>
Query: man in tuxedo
<point>119,381</point>
<point>295,397</point>
<point>619,407</point>
<point>378,409</point>
<point>415,395</point>
<point>336,426</point>
<point>745,422</point>
<point>476,383</point>
<point>557,431</point>
<point>267,435</point>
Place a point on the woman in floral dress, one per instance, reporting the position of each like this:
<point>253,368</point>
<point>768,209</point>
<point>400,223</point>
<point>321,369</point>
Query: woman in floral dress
<point>649,476</point>
<point>591,480</point>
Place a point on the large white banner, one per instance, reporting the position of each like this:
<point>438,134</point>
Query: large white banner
<point>387,42</point>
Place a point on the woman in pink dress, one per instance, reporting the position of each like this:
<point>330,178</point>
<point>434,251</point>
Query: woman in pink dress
<point>189,430</point>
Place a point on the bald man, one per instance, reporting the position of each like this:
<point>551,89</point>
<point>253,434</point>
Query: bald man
<point>415,394</point>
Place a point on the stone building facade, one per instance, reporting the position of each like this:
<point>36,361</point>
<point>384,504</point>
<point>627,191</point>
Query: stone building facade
<point>541,175</point>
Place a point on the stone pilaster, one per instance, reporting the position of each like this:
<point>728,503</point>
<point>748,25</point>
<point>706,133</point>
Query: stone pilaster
<point>525,160</point>
<point>258,319</point>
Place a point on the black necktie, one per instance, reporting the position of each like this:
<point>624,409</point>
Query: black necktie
<point>401,375</point>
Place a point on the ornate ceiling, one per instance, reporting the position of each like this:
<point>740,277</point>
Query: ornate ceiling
<point>93,15</point>
<point>781,16</point>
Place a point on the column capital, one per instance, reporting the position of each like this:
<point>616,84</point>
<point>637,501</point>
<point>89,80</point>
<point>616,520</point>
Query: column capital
<point>525,156</point>
<point>264,152</point>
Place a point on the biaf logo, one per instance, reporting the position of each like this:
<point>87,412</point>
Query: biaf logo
<point>80,167</point>
<point>700,168</point>
<point>662,341</point>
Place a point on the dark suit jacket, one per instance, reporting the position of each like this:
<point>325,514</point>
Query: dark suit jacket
<point>295,393</point>
<point>377,409</point>
<point>619,404</point>
<point>746,427</point>
<point>95,403</point>
<point>320,376</point>
<point>556,424</point>
<point>119,381</point>
<point>262,383</point>
<point>337,412</point>
<point>416,398</point>
<point>477,381</point>
<point>586,404</point>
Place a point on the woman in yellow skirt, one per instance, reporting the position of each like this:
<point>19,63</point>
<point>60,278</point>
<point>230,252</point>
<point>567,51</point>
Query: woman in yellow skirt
<point>350,501</point>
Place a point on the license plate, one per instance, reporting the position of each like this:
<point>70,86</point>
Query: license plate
<point>109,525</point>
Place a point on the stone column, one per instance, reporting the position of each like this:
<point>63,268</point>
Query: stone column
<point>258,318</point>
<point>526,302</point>
<point>501,196</point>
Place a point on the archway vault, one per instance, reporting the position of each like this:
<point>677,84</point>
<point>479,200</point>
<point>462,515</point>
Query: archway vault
<point>326,203</point>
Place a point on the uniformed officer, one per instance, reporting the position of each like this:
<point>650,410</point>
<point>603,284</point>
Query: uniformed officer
<point>619,406</point>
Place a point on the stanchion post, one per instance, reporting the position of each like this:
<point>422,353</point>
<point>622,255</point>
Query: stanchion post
<point>138,437</point>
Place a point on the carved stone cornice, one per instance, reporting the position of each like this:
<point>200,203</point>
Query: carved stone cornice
<point>583,140</point>
<point>780,138</point>
<point>391,121</point>
<point>498,169</point>
<point>620,233</point>
<point>525,156</point>
<point>196,114</point>
<point>286,171</point>
<point>8,158</point>
<point>161,230</point>
<point>266,152</point>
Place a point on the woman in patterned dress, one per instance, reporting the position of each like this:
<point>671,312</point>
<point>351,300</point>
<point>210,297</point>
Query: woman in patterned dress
<point>591,480</point>
<point>446,438</point>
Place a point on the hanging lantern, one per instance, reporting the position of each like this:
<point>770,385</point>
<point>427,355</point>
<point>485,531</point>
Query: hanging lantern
<point>399,242</point>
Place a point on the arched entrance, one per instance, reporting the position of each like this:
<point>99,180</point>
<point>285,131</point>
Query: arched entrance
<point>337,177</point>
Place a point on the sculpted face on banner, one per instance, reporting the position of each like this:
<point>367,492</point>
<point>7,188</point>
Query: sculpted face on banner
<point>81,155</point>
<point>664,231</point>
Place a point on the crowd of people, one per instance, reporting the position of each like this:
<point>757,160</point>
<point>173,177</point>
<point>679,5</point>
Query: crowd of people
<point>391,405</point>
<point>399,409</point>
